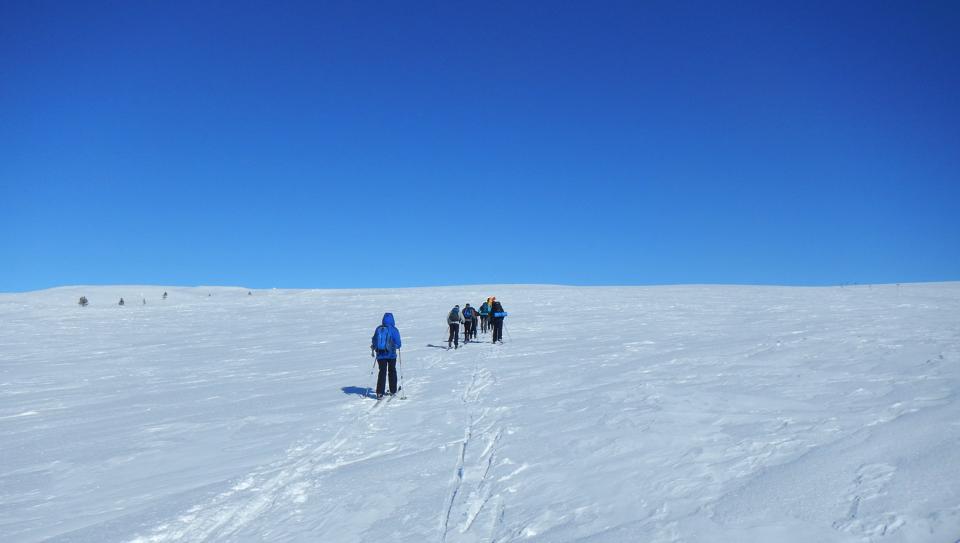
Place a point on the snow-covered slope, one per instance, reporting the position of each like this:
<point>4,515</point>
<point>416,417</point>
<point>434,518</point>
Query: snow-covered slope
<point>609,414</point>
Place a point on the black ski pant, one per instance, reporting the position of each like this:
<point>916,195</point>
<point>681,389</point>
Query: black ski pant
<point>497,329</point>
<point>484,323</point>
<point>387,366</point>
<point>467,330</point>
<point>454,334</point>
<point>473,327</point>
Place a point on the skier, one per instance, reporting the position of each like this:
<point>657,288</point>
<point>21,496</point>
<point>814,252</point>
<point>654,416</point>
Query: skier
<point>453,321</point>
<point>497,313</point>
<point>121,301</point>
<point>384,346</point>
<point>469,322</point>
<point>485,316</point>
<point>475,323</point>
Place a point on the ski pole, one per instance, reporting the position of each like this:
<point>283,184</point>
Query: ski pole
<point>370,390</point>
<point>403,395</point>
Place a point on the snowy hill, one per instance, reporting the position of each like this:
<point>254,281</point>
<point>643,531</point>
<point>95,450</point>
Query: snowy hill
<point>696,413</point>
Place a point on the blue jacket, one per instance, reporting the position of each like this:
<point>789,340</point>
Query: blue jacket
<point>394,334</point>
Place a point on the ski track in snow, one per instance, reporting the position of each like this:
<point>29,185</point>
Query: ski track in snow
<point>471,488</point>
<point>284,484</point>
<point>278,487</point>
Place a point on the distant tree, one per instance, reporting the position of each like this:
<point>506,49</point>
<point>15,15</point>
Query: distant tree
<point>83,301</point>
<point>121,301</point>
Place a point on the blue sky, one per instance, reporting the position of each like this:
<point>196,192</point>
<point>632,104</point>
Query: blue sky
<point>382,144</point>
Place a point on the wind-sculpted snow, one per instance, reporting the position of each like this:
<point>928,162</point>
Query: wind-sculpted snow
<point>654,414</point>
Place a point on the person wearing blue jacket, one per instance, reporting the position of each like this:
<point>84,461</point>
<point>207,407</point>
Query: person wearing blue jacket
<point>384,345</point>
<point>469,323</point>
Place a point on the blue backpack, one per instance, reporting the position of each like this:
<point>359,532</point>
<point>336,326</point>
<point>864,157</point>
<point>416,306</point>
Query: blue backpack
<point>468,313</point>
<point>383,340</point>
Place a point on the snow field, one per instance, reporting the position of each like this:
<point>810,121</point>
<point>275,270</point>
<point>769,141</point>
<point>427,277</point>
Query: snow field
<point>695,413</point>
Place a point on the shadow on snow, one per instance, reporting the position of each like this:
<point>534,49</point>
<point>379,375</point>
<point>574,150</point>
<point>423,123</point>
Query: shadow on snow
<point>364,392</point>
<point>462,343</point>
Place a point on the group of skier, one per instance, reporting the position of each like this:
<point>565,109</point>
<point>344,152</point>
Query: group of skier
<point>489,316</point>
<point>385,343</point>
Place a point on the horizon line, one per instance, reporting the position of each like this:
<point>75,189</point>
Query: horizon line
<point>476,285</point>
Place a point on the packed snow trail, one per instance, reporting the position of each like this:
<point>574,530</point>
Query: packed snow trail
<point>609,414</point>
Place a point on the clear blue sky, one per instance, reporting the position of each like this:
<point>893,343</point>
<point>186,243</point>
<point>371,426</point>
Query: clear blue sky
<point>381,144</point>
